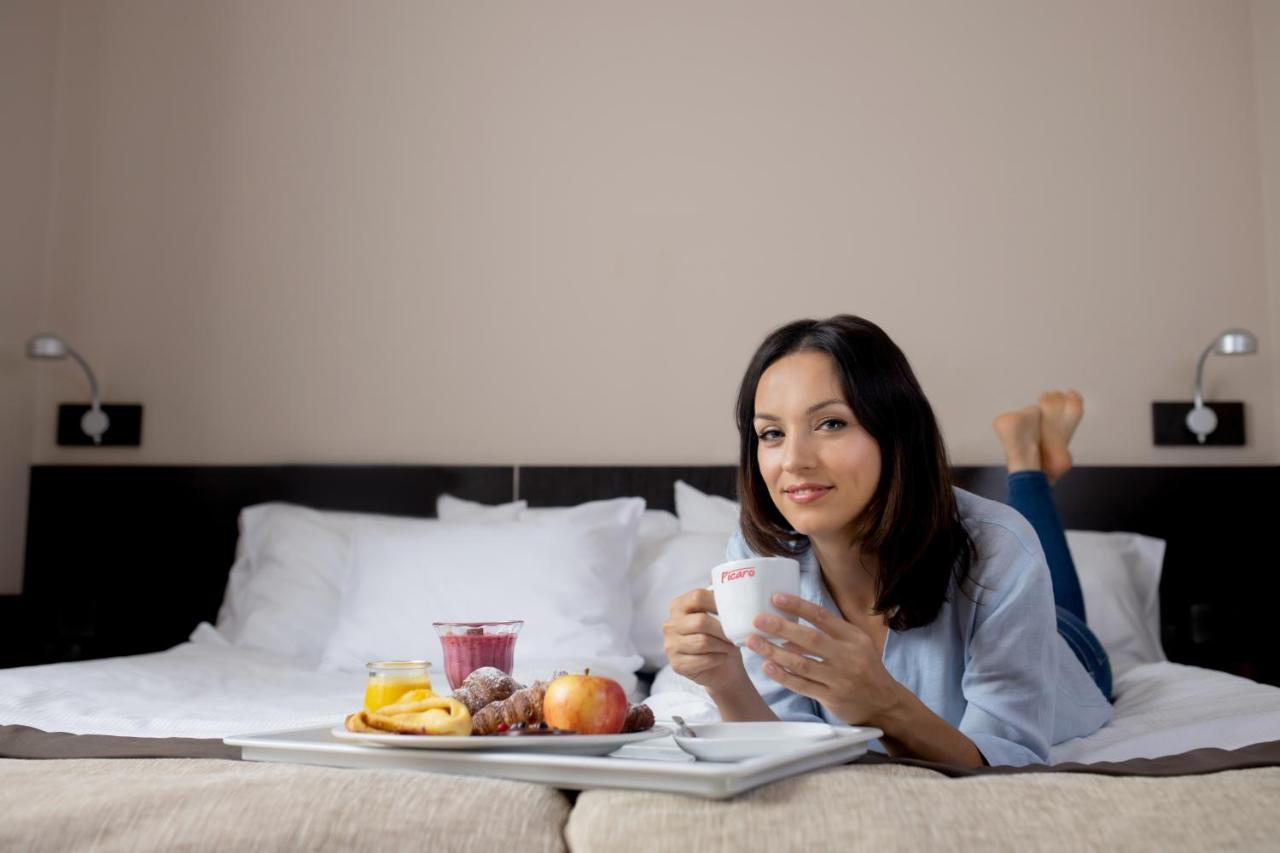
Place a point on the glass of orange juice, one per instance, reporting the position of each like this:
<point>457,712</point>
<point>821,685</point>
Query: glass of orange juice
<point>391,679</point>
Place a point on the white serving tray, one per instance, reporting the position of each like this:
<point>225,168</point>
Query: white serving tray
<point>654,765</point>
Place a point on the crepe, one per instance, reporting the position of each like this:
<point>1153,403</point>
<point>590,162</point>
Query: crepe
<point>418,712</point>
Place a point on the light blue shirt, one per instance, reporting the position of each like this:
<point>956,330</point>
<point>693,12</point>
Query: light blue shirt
<point>996,669</point>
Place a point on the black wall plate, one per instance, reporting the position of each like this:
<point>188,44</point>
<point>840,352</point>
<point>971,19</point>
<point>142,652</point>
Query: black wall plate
<point>1169,424</point>
<point>125,429</point>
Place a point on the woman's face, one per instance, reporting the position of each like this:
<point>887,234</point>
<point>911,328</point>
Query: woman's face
<point>820,466</point>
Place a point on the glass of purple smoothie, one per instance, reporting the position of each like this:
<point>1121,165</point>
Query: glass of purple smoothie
<point>468,646</point>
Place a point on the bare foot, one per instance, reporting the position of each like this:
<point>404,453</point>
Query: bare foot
<point>1060,414</point>
<point>1019,432</point>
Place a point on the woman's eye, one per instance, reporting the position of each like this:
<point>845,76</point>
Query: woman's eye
<point>768,434</point>
<point>832,424</point>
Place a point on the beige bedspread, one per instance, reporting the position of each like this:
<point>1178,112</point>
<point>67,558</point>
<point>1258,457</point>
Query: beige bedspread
<point>211,803</point>
<point>898,808</point>
<point>208,804</point>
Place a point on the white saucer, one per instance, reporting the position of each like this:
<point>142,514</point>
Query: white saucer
<point>736,741</point>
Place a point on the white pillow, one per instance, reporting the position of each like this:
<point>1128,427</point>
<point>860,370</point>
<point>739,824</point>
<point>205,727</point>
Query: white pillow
<point>666,569</point>
<point>655,524</point>
<point>564,575</point>
<point>656,569</point>
<point>1120,578</point>
<point>283,589</point>
<point>703,513</point>
<point>282,592</point>
<point>449,508</point>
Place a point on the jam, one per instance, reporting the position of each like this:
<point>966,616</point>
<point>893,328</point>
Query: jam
<point>525,730</point>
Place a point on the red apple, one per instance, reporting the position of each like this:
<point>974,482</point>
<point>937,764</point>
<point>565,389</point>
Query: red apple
<point>587,704</point>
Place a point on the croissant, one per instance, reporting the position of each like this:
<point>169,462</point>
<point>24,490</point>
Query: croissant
<point>483,686</point>
<point>639,719</point>
<point>523,706</point>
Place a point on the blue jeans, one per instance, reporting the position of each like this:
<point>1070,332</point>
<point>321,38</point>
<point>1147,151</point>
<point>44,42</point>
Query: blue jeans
<point>1031,495</point>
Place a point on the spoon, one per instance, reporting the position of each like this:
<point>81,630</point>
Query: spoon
<point>683,731</point>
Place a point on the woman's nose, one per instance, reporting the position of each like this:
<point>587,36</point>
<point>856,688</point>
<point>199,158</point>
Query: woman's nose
<point>797,456</point>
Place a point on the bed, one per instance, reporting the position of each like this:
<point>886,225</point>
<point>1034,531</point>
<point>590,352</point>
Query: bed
<point>176,673</point>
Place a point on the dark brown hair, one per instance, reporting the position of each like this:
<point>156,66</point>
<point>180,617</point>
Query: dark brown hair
<point>912,524</point>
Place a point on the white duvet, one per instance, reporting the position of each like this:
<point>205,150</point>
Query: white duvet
<point>209,689</point>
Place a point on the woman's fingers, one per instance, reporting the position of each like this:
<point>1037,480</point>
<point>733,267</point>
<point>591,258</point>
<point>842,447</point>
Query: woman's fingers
<point>698,644</point>
<point>791,659</point>
<point>694,601</point>
<point>693,666</point>
<point>694,623</point>
<point>792,681</point>
<point>821,618</point>
<point>808,639</point>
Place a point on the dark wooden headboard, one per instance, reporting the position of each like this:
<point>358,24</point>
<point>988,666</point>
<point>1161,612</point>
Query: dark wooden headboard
<point>1220,584</point>
<point>128,559</point>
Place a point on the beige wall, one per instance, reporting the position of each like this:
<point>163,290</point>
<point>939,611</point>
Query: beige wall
<point>1266,57</point>
<point>553,232</point>
<point>28,62</point>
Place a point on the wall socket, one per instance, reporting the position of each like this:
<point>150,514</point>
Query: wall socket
<point>1169,424</point>
<point>125,429</point>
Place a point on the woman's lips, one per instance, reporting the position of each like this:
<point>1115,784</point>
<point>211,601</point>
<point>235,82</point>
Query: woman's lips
<point>807,494</point>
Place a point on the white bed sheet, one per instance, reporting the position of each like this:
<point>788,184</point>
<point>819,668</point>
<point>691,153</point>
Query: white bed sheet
<point>1166,708</point>
<point>205,688</point>
<point>210,689</point>
<point>1161,709</point>
<point>191,690</point>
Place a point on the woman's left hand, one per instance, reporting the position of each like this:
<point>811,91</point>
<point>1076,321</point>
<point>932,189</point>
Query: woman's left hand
<point>847,677</point>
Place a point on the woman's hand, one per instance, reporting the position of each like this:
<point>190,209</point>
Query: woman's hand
<point>697,647</point>
<point>848,677</point>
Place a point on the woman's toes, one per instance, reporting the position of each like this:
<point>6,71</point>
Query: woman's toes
<point>1019,433</point>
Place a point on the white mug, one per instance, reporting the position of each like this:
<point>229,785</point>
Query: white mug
<point>744,589</point>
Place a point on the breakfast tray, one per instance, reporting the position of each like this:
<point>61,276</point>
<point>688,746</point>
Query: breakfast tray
<point>655,765</point>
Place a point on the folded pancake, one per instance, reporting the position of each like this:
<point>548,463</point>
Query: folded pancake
<point>353,723</point>
<point>429,715</point>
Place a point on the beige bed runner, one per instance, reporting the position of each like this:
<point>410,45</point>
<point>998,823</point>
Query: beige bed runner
<point>26,742</point>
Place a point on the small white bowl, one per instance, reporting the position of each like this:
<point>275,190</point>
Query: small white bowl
<point>736,741</point>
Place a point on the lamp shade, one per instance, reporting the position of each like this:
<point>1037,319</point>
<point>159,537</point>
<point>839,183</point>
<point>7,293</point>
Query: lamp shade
<point>1236,342</point>
<point>1202,420</point>
<point>46,346</point>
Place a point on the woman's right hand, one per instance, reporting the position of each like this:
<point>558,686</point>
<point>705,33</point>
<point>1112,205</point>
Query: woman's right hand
<point>697,647</point>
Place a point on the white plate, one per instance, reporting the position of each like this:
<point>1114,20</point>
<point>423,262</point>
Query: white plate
<point>563,744</point>
<point>736,741</point>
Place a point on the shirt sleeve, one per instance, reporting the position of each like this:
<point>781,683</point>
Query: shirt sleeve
<point>787,705</point>
<point>1010,663</point>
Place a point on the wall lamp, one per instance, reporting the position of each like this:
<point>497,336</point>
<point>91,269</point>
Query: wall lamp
<point>93,420</point>
<point>46,346</point>
<point>1176,423</point>
<point>1202,420</point>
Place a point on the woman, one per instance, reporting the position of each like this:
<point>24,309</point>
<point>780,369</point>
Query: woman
<point>930,610</point>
